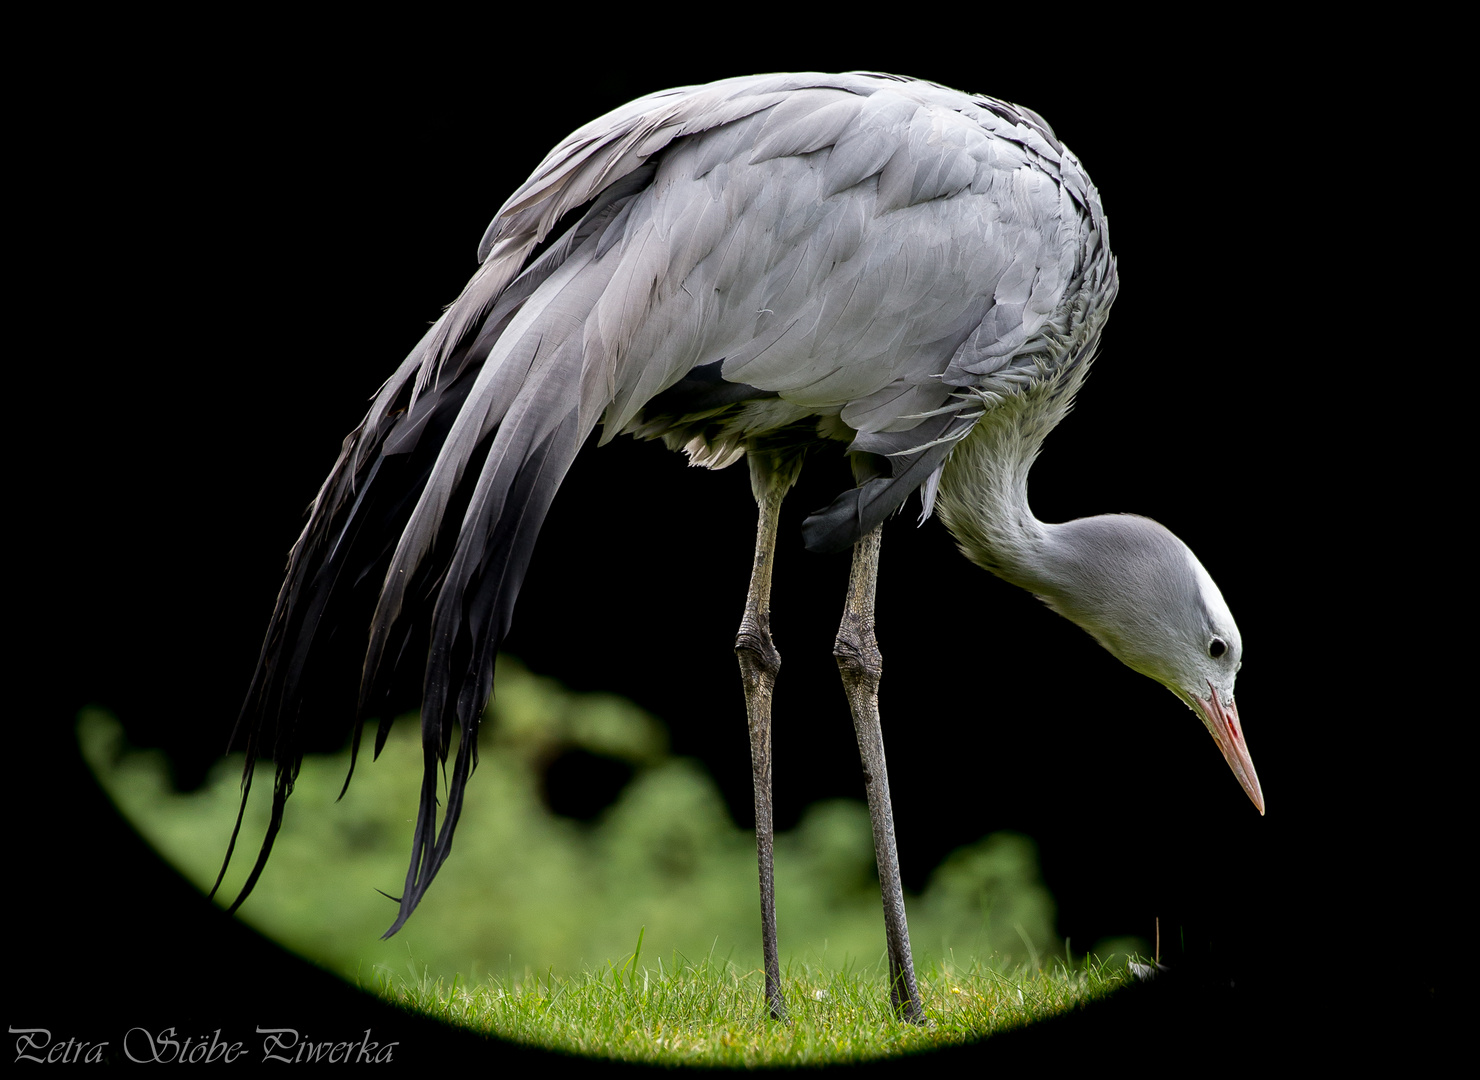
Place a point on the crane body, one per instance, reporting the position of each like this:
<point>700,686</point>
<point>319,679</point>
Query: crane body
<point>755,268</point>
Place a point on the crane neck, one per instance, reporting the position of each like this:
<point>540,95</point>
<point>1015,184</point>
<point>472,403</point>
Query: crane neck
<point>983,492</point>
<point>983,495</point>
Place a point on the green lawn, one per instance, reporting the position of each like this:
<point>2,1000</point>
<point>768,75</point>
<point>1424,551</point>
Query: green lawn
<point>520,931</point>
<point>713,1014</point>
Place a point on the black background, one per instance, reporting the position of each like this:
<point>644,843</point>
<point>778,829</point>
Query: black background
<point>241,241</point>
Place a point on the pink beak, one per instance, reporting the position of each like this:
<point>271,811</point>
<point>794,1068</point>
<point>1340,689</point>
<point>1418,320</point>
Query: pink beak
<point>1222,721</point>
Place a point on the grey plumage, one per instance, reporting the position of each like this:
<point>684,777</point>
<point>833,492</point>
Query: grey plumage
<point>755,266</point>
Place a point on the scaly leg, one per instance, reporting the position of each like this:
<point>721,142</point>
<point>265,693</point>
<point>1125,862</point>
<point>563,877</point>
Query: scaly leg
<point>861,664</point>
<point>759,662</point>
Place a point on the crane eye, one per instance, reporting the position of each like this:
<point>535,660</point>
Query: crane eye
<point>1217,647</point>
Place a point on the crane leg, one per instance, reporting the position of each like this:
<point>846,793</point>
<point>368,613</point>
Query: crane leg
<point>759,663</point>
<point>861,664</point>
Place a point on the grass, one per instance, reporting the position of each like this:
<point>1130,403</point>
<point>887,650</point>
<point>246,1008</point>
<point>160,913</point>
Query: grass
<point>711,1013</point>
<point>547,900</point>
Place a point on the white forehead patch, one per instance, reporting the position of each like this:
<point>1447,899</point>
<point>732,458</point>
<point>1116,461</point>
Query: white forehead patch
<point>1213,601</point>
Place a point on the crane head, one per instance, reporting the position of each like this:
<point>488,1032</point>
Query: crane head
<point>1142,594</point>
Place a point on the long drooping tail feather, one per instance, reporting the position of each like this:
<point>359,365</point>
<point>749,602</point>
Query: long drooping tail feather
<point>504,389</point>
<point>536,440</point>
<point>398,538</point>
<point>424,532</point>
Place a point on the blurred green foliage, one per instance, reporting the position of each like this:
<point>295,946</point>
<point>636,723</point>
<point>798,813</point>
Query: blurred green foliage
<point>528,891</point>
